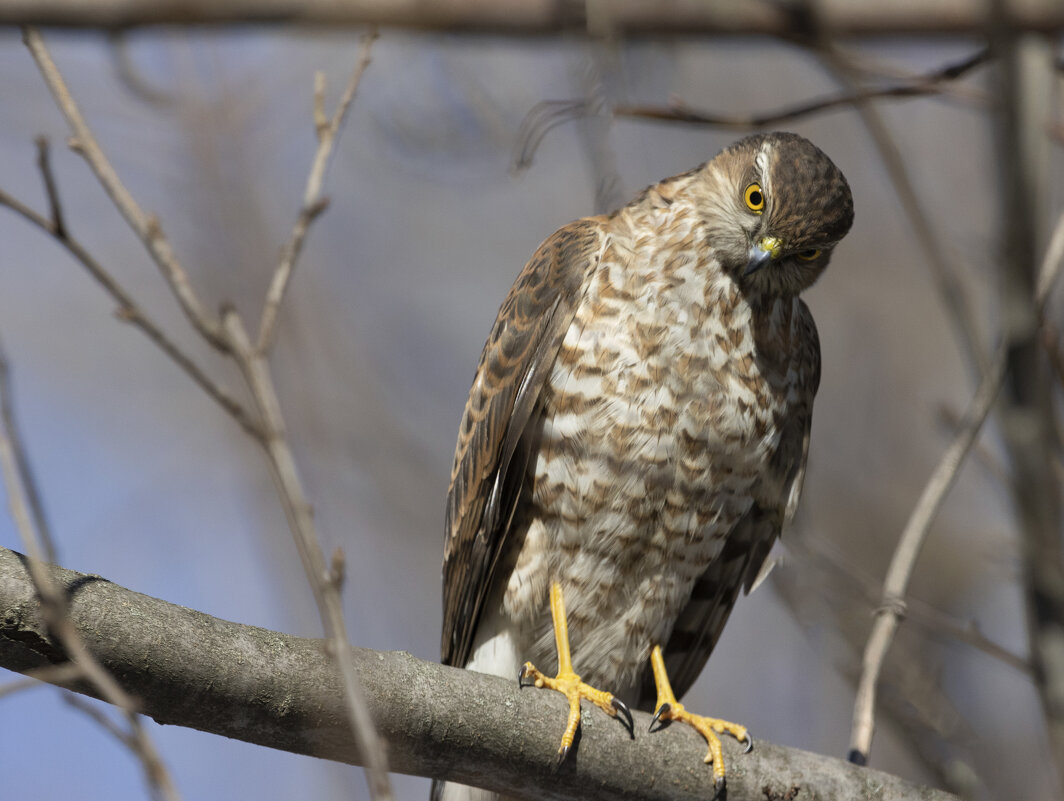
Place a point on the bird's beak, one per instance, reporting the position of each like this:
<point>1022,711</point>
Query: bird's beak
<point>762,252</point>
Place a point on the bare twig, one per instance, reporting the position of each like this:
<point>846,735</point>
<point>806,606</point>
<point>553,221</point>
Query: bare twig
<point>949,419</point>
<point>1050,268</point>
<point>592,76</point>
<point>548,114</point>
<point>892,608</point>
<point>146,226</point>
<point>22,463</point>
<point>820,585</point>
<point>101,718</point>
<point>967,632</point>
<point>313,202</point>
<point>63,673</point>
<point>44,164</point>
<point>128,309</point>
<point>1047,277</point>
<point>930,83</point>
<point>868,588</point>
<point>255,368</point>
<point>230,336</point>
<point>54,612</point>
<point>131,77</point>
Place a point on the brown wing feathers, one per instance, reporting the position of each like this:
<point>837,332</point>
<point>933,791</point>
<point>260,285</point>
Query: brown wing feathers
<point>486,477</point>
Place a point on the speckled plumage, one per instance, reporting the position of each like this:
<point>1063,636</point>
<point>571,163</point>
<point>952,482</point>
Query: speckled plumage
<point>639,422</point>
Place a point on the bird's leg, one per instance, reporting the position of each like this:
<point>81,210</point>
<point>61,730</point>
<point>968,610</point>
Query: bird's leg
<point>567,682</point>
<point>668,708</point>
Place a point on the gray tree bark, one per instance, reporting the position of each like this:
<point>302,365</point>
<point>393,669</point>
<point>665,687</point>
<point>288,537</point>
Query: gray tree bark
<point>191,669</point>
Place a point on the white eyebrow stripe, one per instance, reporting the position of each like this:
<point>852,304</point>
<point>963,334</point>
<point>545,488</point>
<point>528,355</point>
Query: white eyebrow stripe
<point>762,160</point>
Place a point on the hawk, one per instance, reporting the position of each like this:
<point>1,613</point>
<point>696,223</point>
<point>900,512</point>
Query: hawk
<point>637,432</point>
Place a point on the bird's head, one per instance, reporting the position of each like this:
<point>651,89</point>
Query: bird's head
<point>775,207</point>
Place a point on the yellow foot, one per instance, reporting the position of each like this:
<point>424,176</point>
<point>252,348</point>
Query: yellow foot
<point>668,708</point>
<point>569,685</point>
<point>567,682</point>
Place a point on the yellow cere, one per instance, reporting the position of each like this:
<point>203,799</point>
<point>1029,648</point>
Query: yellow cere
<point>772,244</point>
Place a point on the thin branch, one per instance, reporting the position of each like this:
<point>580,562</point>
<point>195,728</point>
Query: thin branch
<point>54,611</point>
<point>1050,267</point>
<point>144,225</point>
<point>129,311</point>
<point>280,691</point>
<point>866,587</point>
<point>131,77</point>
<point>22,463</point>
<point>44,164</point>
<point>1047,278</point>
<point>313,203</point>
<point>911,696</point>
<point>256,371</point>
<point>230,336</point>
<point>967,632</point>
<point>135,740</point>
<point>892,607</point>
<point>549,114</point>
<point>63,673</point>
<point>949,419</point>
<point>930,83</point>
<point>101,719</point>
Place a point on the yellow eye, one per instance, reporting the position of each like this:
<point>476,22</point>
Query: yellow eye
<point>808,255</point>
<point>755,198</point>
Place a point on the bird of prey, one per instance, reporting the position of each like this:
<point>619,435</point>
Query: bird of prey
<point>637,432</point>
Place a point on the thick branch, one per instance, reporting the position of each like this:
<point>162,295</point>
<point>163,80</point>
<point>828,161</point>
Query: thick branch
<point>538,17</point>
<point>190,669</point>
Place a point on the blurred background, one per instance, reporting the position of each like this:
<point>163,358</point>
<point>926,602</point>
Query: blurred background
<point>148,483</point>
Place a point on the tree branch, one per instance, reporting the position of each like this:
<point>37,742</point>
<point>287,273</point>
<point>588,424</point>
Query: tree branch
<point>629,18</point>
<point>51,603</point>
<point>325,581</point>
<point>1027,409</point>
<point>190,669</point>
<point>931,83</point>
<point>952,292</point>
<point>128,309</point>
<point>892,607</point>
<point>228,334</point>
<point>327,130</point>
<point>549,114</point>
<point>146,226</point>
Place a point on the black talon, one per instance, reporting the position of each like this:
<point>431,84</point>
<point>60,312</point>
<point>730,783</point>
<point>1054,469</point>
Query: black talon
<point>622,709</point>
<point>563,752</point>
<point>721,787</point>
<point>749,744</point>
<point>662,710</point>
<point>521,678</point>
